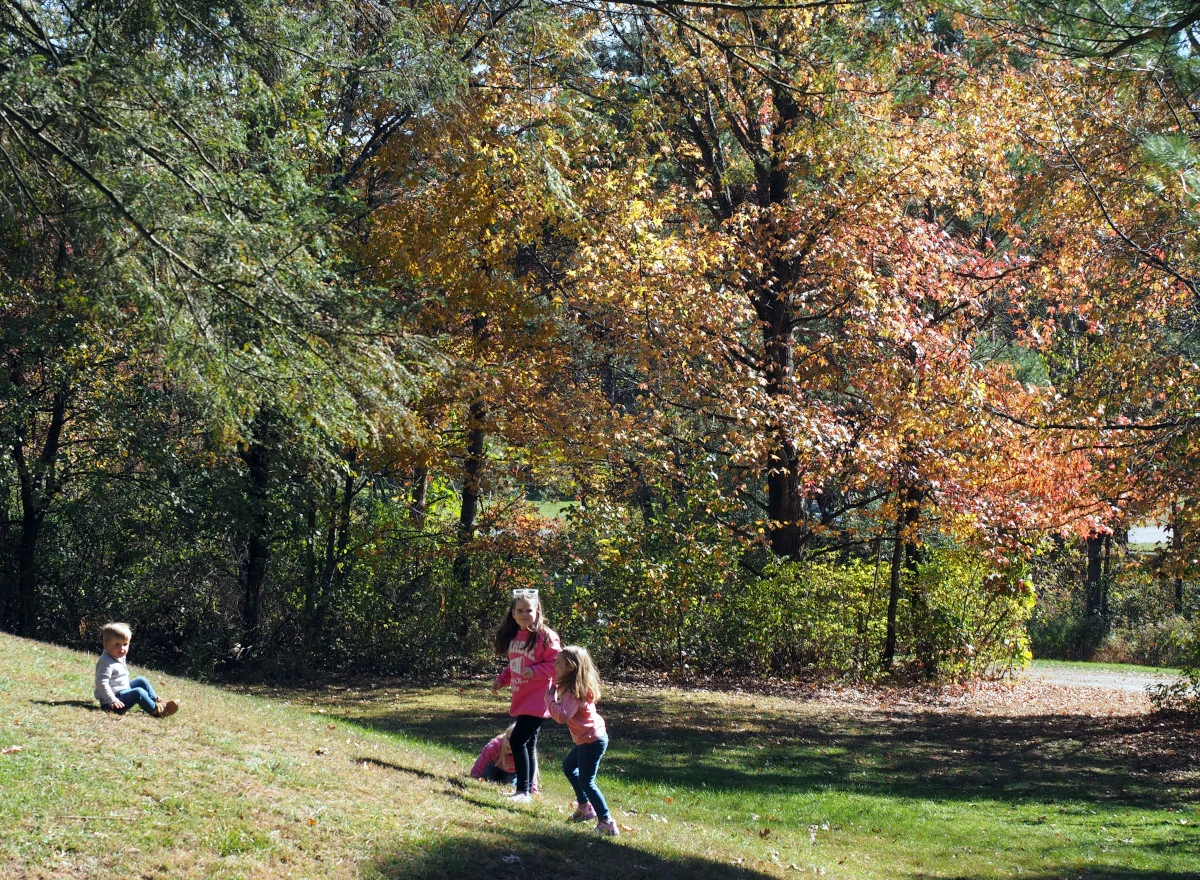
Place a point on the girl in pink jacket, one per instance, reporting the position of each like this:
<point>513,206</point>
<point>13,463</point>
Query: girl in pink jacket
<point>574,704</point>
<point>532,648</point>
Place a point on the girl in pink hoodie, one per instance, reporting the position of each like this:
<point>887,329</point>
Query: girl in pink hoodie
<point>532,648</point>
<point>574,704</point>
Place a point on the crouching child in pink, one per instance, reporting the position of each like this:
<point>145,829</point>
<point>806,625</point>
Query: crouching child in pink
<point>495,763</point>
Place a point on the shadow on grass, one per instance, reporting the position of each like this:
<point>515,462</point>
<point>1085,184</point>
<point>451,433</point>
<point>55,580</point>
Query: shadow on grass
<point>90,705</point>
<point>1120,760</point>
<point>397,768</point>
<point>455,786</point>
<point>553,854</point>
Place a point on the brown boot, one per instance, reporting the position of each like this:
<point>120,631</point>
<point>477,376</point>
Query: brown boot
<point>163,709</point>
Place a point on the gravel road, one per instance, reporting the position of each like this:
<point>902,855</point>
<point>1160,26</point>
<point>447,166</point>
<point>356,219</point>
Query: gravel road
<point>1075,676</point>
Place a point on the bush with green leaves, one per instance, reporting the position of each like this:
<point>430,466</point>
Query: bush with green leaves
<point>1182,694</point>
<point>675,592</point>
<point>1155,643</point>
<point>968,617</point>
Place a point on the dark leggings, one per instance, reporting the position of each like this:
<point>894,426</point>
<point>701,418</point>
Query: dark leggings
<point>524,749</point>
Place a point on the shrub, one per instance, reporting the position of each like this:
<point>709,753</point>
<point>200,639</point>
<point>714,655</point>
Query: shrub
<point>1066,636</point>
<point>1159,643</point>
<point>967,616</point>
<point>1183,694</point>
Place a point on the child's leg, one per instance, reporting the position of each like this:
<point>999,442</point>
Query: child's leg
<point>588,762</point>
<point>570,767</point>
<point>144,683</point>
<point>140,696</point>
<point>492,773</point>
<point>524,749</point>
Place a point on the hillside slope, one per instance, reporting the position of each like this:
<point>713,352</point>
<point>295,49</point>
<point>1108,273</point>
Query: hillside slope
<point>245,787</point>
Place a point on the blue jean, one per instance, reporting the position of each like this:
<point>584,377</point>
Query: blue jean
<point>139,692</point>
<point>581,765</point>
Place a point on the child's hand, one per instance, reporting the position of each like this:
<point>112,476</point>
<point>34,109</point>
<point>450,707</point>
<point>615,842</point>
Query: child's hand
<point>495,688</point>
<point>117,704</point>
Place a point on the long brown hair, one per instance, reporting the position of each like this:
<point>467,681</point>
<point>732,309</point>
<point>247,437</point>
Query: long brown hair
<point>509,627</point>
<point>581,678</point>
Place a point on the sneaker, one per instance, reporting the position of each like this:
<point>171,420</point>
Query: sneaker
<point>520,797</point>
<point>583,813</point>
<point>607,827</point>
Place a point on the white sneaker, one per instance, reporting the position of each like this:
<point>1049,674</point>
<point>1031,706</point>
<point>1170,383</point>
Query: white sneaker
<point>521,797</point>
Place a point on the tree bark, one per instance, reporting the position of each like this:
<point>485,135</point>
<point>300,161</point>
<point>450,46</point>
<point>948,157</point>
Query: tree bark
<point>256,551</point>
<point>889,645</point>
<point>904,558</point>
<point>1177,556</point>
<point>39,482</point>
<point>419,505</point>
<point>471,492</point>
<point>1094,588</point>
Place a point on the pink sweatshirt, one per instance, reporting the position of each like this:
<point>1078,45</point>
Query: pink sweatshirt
<point>581,718</point>
<point>530,653</point>
<point>493,753</point>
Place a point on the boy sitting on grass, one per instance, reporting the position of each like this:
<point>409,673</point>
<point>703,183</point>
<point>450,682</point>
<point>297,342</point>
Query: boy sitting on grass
<point>114,690</point>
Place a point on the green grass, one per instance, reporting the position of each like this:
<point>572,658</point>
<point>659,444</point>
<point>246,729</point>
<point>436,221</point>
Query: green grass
<point>554,509</point>
<point>369,780</point>
<point>1106,667</point>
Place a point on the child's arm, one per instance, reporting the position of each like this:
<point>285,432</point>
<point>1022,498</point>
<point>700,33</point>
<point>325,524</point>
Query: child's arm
<point>561,709</point>
<point>544,667</point>
<point>502,679</point>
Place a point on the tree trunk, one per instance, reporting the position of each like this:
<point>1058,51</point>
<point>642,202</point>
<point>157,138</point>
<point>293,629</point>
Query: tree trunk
<point>257,548</point>
<point>1105,579</point>
<point>27,593</point>
<point>471,493</point>
<point>889,645</point>
<point>785,501</point>
<point>904,558</point>
<point>8,561</point>
<point>1177,556</point>
<point>1094,589</point>
<point>419,505</point>
<point>337,541</point>
<point>39,484</point>
<point>311,575</point>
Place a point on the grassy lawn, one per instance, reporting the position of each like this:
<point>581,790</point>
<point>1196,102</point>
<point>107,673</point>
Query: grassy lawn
<point>1106,667</point>
<point>369,780</point>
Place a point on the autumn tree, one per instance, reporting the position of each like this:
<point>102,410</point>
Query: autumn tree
<point>1117,174</point>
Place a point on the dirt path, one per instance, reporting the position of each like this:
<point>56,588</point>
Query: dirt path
<point>1106,679</point>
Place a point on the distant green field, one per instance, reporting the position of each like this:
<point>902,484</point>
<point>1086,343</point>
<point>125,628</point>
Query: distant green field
<point>554,509</point>
<point>1107,667</point>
